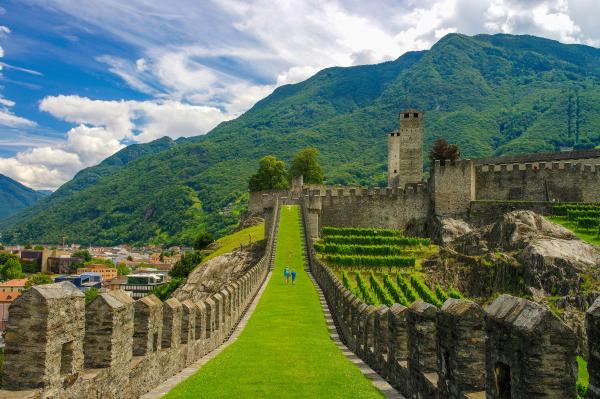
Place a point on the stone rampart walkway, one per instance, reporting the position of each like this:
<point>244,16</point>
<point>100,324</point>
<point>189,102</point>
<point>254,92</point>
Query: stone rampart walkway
<point>285,351</point>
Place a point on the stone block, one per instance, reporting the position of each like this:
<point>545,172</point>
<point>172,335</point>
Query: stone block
<point>530,352</point>
<point>147,325</point>
<point>44,338</point>
<point>461,348</point>
<point>109,330</point>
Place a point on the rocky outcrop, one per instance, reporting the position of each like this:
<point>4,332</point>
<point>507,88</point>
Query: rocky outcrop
<point>211,276</point>
<point>551,257</point>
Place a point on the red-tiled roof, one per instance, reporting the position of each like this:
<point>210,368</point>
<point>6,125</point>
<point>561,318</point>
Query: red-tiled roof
<point>17,282</point>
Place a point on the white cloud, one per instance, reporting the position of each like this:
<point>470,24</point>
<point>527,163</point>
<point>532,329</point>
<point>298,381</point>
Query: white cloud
<point>102,127</point>
<point>203,64</point>
<point>8,119</point>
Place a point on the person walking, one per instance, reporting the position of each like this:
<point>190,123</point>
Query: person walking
<point>286,274</point>
<point>293,277</point>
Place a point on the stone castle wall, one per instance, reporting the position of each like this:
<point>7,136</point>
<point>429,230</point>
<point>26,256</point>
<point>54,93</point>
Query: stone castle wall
<point>516,348</point>
<point>452,187</point>
<point>555,181</point>
<point>57,347</point>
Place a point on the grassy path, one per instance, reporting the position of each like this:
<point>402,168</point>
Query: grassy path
<point>285,350</point>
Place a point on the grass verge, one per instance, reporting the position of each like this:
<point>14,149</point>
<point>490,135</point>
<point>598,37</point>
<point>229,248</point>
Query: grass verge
<point>233,241</point>
<point>590,236</point>
<point>285,350</point>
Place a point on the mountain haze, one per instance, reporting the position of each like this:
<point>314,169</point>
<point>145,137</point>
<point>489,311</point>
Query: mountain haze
<point>491,94</point>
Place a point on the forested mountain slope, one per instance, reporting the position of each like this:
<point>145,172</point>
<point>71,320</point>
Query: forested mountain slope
<point>14,196</point>
<point>491,94</point>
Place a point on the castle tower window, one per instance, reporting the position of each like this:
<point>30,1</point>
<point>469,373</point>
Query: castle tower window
<point>406,115</point>
<point>502,374</point>
<point>416,115</point>
<point>395,171</point>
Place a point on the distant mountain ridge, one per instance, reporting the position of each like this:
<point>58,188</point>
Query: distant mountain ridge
<point>15,196</point>
<point>490,94</point>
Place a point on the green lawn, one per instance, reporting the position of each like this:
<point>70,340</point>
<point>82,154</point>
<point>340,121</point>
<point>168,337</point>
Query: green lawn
<point>590,236</point>
<point>233,241</point>
<point>285,350</point>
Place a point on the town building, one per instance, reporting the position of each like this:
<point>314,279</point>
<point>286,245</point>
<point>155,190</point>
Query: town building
<point>37,257</point>
<point>140,285</point>
<point>6,299</point>
<point>83,281</point>
<point>64,264</point>
<point>114,283</point>
<point>14,285</point>
<point>104,271</point>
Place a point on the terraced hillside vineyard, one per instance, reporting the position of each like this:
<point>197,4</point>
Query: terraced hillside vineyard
<point>497,94</point>
<point>371,272</point>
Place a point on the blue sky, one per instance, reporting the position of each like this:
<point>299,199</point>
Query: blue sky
<point>81,79</point>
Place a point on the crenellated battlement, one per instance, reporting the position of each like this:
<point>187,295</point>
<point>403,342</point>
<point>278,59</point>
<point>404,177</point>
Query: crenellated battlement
<point>373,193</point>
<point>515,348</point>
<point>566,167</point>
<point>115,347</point>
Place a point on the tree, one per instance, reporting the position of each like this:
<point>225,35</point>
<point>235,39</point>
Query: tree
<point>122,269</point>
<point>11,269</point>
<point>83,253</point>
<point>443,151</point>
<point>90,294</point>
<point>38,279</point>
<point>306,164</point>
<point>270,175</point>
<point>186,264</point>
<point>27,246</point>
<point>164,292</point>
<point>39,247</point>
<point>202,240</point>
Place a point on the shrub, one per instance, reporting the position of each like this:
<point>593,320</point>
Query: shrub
<point>440,294</point>
<point>407,290</point>
<point>347,249</point>
<point>424,291</point>
<point>381,293</point>
<point>369,261</point>
<point>394,291</point>
<point>588,222</point>
<point>454,293</point>
<point>363,290</point>
<point>360,231</point>
<point>375,240</point>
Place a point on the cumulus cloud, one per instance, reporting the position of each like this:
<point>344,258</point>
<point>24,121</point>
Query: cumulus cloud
<point>203,65</point>
<point>102,127</point>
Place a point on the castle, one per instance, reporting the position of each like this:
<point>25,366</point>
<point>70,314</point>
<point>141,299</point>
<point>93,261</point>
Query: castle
<point>469,188</point>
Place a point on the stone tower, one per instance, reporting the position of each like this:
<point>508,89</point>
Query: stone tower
<point>405,150</point>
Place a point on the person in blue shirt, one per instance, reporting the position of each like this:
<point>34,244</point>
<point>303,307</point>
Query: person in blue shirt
<point>293,277</point>
<point>286,274</point>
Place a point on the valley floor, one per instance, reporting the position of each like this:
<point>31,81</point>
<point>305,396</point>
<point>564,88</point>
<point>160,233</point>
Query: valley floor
<point>285,350</point>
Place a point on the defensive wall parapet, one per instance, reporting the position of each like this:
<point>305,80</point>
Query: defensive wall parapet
<point>538,181</point>
<point>516,348</point>
<point>57,347</point>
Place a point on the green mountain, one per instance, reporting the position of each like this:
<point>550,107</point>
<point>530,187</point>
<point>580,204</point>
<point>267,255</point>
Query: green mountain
<point>491,94</point>
<point>14,196</point>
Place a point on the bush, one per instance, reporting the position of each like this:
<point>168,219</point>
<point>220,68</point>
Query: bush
<point>360,231</point>
<point>369,261</point>
<point>345,249</point>
<point>379,290</point>
<point>376,240</point>
<point>38,279</point>
<point>407,290</point>
<point>165,291</point>
<point>588,223</point>
<point>454,293</point>
<point>90,295</point>
<point>202,240</point>
<point>186,264</point>
<point>424,292</point>
<point>363,290</point>
<point>394,291</point>
<point>440,294</point>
